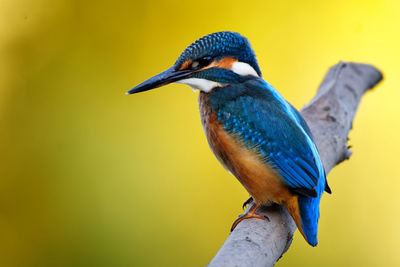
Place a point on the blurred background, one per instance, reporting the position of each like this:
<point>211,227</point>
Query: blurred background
<point>92,177</point>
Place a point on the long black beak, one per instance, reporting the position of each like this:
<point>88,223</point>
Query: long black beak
<point>169,76</point>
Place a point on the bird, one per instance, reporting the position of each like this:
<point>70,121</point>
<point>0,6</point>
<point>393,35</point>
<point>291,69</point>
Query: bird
<point>256,134</point>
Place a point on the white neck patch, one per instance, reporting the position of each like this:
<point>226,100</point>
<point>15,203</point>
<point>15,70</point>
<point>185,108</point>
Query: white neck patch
<point>200,84</point>
<point>243,69</point>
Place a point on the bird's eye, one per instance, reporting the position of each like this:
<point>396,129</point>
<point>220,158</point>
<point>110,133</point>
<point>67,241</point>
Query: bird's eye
<point>201,63</point>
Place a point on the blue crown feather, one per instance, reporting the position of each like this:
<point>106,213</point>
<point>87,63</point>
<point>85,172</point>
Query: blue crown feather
<point>218,45</point>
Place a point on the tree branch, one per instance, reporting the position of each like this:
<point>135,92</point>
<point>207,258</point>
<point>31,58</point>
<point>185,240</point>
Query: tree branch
<point>329,115</point>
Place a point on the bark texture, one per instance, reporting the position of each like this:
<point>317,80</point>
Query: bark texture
<point>330,116</point>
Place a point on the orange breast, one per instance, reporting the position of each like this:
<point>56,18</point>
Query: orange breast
<point>262,182</point>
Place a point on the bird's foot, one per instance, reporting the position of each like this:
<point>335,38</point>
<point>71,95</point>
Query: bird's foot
<point>250,214</point>
<point>247,202</point>
<point>247,216</point>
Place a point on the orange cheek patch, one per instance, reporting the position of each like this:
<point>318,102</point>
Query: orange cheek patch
<point>186,64</point>
<point>224,63</point>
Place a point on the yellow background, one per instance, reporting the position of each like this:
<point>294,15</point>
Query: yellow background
<point>92,177</point>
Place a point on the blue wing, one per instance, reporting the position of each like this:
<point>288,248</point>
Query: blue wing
<point>303,124</point>
<point>264,121</point>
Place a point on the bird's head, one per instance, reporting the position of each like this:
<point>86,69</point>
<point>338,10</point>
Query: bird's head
<point>214,60</point>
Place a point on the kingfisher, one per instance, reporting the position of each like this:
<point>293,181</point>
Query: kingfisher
<point>256,134</point>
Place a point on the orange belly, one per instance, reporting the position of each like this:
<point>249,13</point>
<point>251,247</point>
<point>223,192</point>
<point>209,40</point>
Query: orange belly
<point>259,179</point>
<point>262,182</point>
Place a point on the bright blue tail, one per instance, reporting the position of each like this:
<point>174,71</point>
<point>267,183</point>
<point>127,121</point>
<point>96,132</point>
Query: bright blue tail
<point>309,213</point>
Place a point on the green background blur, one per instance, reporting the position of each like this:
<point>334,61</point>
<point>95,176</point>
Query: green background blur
<point>92,177</point>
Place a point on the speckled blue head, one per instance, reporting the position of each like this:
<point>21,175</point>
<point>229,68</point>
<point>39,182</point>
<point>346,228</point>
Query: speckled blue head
<point>219,45</point>
<point>212,61</point>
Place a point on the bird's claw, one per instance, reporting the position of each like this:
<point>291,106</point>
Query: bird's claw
<point>250,215</point>
<point>247,202</point>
